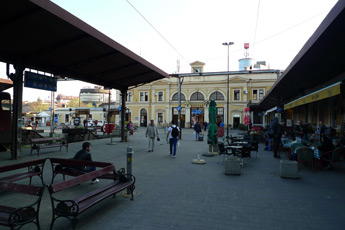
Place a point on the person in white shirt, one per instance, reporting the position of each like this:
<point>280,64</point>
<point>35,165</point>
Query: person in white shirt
<point>172,136</point>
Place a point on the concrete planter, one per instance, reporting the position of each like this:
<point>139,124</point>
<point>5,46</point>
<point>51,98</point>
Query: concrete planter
<point>289,169</point>
<point>233,166</point>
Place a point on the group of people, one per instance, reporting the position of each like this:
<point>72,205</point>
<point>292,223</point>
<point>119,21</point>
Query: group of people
<point>278,130</point>
<point>172,135</point>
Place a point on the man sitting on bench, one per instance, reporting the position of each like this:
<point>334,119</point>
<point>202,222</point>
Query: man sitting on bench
<point>85,155</point>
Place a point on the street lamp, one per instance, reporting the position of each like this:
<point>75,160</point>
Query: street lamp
<point>227,90</point>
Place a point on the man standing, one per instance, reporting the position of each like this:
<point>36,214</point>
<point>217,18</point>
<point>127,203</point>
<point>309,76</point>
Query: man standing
<point>84,155</point>
<point>172,136</point>
<point>275,131</point>
<point>152,133</point>
<point>197,129</point>
<point>322,130</point>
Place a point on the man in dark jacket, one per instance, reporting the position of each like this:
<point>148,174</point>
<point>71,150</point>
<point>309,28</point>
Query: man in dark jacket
<point>197,129</point>
<point>85,155</point>
<point>276,132</point>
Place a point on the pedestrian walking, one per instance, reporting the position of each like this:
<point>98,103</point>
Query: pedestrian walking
<point>275,131</point>
<point>205,126</point>
<point>85,155</point>
<point>152,133</point>
<point>197,130</point>
<point>165,127</point>
<point>172,137</point>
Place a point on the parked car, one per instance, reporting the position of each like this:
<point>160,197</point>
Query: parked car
<point>91,123</point>
<point>100,123</point>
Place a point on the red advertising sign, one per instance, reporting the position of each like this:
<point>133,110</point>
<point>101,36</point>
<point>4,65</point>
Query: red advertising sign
<point>246,45</point>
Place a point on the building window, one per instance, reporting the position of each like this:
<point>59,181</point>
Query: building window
<point>160,96</point>
<point>237,95</point>
<point>255,94</point>
<point>261,94</point>
<point>217,96</point>
<point>130,97</point>
<point>144,96</point>
<point>175,97</point>
<point>197,97</point>
<point>160,117</point>
<point>258,94</point>
<point>196,70</point>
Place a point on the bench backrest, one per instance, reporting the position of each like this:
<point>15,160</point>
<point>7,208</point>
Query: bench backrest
<point>71,162</point>
<point>22,165</point>
<point>21,188</point>
<point>80,179</point>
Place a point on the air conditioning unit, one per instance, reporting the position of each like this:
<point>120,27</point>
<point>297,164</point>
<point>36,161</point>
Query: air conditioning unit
<point>245,91</point>
<point>156,94</point>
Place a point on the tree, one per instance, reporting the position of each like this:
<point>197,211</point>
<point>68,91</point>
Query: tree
<point>73,103</point>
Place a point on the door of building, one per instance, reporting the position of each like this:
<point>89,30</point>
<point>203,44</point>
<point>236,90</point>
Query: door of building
<point>236,122</point>
<point>143,118</point>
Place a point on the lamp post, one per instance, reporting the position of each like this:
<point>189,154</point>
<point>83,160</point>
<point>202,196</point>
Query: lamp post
<point>227,92</point>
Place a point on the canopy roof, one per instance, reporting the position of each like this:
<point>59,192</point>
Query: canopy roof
<point>40,35</point>
<point>43,114</point>
<point>320,62</point>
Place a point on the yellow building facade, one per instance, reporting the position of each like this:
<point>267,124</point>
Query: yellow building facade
<point>158,100</point>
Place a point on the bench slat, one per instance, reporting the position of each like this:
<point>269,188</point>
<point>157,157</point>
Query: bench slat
<point>80,179</point>
<point>51,146</point>
<point>21,188</point>
<point>87,203</point>
<point>72,162</point>
<point>21,165</point>
<point>95,192</point>
<point>19,176</point>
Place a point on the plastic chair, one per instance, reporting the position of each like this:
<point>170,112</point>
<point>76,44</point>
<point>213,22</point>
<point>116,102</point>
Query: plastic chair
<point>333,156</point>
<point>245,153</point>
<point>305,155</point>
<point>222,151</point>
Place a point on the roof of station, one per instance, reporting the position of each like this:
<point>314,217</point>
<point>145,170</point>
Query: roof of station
<point>40,35</point>
<point>320,60</point>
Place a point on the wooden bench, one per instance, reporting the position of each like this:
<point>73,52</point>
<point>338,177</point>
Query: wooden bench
<point>34,168</point>
<point>47,142</point>
<point>72,167</point>
<point>16,217</point>
<point>72,208</point>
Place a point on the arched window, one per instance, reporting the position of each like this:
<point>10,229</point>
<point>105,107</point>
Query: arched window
<point>175,97</point>
<point>197,97</point>
<point>217,96</point>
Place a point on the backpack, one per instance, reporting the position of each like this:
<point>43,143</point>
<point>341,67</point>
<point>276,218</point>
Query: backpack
<point>174,132</point>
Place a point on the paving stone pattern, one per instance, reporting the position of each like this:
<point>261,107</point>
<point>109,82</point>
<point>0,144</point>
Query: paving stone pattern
<point>176,194</point>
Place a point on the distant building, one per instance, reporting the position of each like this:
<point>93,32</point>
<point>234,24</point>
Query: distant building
<point>95,95</point>
<point>159,100</point>
<point>63,99</point>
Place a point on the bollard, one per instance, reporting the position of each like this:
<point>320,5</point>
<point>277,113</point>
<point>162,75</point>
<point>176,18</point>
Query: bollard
<point>129,164</point>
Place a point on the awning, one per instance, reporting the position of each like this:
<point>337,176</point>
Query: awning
<point>329,91</point>
<point>43,114</point>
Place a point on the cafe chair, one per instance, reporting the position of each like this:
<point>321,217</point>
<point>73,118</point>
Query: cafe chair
<point>334,156</point>
<point>254,146</point>
<point>245,153</point>
<point>305,156</point>
<point>222,151</point>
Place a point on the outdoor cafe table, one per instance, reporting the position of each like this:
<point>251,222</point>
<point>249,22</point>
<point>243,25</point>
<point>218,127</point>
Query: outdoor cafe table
<point>235,148</point>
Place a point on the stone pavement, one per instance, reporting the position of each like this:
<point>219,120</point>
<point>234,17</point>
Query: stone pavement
<point>176,194</point>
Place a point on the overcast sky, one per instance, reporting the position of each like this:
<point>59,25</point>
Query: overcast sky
<point>194,30</point>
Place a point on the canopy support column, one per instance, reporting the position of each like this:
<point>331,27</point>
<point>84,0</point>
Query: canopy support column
<point>123,112</point>
<point>17,121</point>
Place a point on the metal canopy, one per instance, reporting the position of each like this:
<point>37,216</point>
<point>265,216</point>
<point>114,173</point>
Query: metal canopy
<point>319,62</point>
<point>40,35</point>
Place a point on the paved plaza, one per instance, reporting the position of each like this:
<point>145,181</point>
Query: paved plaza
<point>176,194</point>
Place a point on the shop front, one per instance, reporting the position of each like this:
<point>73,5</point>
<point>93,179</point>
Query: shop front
<point>183,116</point>
<point>196,115</point>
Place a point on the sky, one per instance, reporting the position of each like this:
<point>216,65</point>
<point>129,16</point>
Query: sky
<point>168,32</point>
